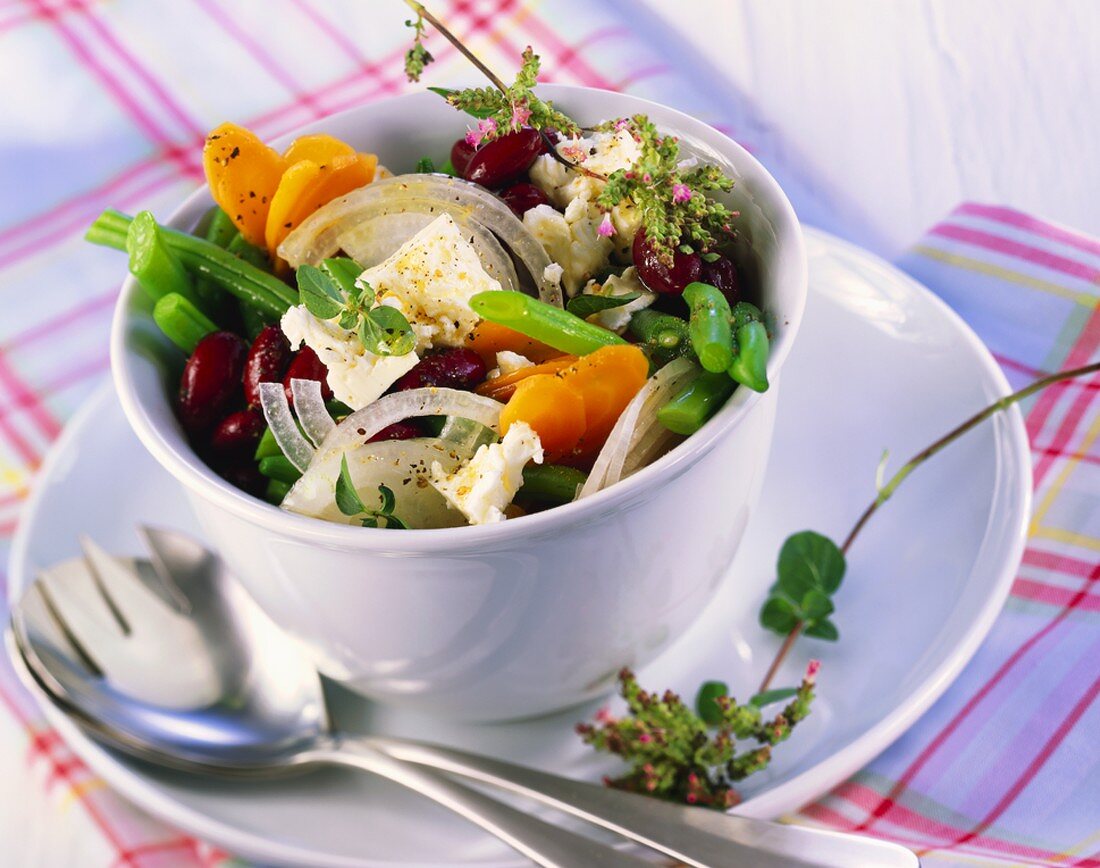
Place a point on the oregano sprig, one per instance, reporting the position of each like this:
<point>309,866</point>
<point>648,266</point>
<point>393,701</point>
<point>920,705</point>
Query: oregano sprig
<point>351,504</point>
<point>673,202</point>
<point>336,290</point>
<point>695,756</point>
<point>811,566</point>
<point>417,57</point>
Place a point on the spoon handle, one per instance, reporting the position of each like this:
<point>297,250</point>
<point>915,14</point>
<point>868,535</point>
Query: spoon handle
<point>542,842</point>
<point>695,836</point>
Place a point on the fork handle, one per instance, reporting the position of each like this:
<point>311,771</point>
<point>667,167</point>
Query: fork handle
<point>542,842</point>
<point>694,836</point>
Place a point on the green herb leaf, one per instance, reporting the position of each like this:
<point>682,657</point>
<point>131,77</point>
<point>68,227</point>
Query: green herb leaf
<point>386,332</point>
<point>705,705</point>
<point>349,320</point>
<point>417,57</point>
<point>369,521</point>
<point>810,560</point>
<point>388,499</point>
<point>319,292</point>
<point>394,523</point>
<point>585,305</point>
<point>823,629</point>
<point>770,696</point>
<point>779,615</point>
<point>366,292</point>
<point>347,498</point>
<point>448,168</point>
<point>343,272</point>
<point>815,605</point>
<point>425,166</point>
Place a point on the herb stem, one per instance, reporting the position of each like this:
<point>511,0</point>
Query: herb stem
<point>419,9</point>
<point>887,491</point>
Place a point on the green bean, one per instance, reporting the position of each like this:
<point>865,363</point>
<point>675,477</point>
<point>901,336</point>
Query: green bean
<point>664,337</point>
<point>552,484</point>
<point>743,312</point>
<point>109,230</point>
<point>693,405</point>
<point>267,446</point>
<point>183,323</point>
<point>253,321</point>
<point>543,322</point>
<point>279,467</point>
<point>217,228</point>
<point>710,326</point>
<point>277,491</point>
<point>750,367</point>
<point>250,253</point>
<point>220,229</point>
<point>263,291</point>
<point>157,268</point>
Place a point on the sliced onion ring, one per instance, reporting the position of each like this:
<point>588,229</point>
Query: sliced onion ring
<point>363,424</point>
<point>318,236</point>
<point>283,427</point>
<point>309,404</point>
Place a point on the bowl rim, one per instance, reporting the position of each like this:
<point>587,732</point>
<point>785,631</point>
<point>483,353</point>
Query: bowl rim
<point>189,470</point>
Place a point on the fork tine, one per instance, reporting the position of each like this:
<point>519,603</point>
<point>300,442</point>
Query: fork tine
<point>99,564</point>
<point>155,545</point>
<point>27,621</point>
<point>123,584</point>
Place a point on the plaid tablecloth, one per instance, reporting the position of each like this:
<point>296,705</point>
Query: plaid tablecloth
<point>105,102</point>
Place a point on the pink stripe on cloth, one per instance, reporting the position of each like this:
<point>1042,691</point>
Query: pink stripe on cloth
<point>1012,217</point>
<point>936,833</point>
<point>1026,252</point>
<point>1071,566</point>
<point>1051,595</point>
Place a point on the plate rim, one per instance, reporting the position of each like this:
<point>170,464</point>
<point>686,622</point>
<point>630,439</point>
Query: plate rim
<point>785,797</point>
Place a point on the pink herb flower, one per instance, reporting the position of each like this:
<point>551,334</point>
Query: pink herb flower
<point>604,715</point>
<point>647,178</point>
<point>812,669</point>
<point>520,115</point>
<point>574,151</point>
<point>681,193</point>
<point>645,738</point>
<point>606,228</point>
<point>486,128</point>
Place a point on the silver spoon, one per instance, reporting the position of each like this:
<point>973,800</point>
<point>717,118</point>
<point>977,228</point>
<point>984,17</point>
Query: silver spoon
<point>169,660</point>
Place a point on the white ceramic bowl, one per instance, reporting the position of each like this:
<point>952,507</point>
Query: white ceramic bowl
<point>526,616</point>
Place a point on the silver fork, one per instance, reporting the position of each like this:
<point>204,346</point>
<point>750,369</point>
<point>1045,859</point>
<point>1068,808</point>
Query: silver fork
<point>168,659</point>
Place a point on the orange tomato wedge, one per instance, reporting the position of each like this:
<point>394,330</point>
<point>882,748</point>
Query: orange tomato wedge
<point>552,409</point>
<point>243,174</point>
<point>489,338</point>
<point>577,406</point>
<point>320,148</point>
<point>307,185</point>
<point>502,388</point>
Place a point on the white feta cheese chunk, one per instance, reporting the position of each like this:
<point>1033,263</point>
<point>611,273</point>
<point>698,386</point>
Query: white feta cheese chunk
<point>604,153</point>
<point>355,376</point>
<point>430,279</point>
<point>572,240</point>
<point>618,318</point>
<point>482,487</point>
<point>509,362</point>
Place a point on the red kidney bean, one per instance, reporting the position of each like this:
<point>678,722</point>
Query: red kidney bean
<point>244,474</point>
<point>457,368</point>
<point>238,433</point>
<point>266,363</point>
<point>461,152</point>
<point>211,380</point>
<point>551,139</point>
<point>662,278</point>
<point>398,431</point>
<point>306,366</point>
<point>504,159</point>
<point>522,197</point>
<point>722,274</point>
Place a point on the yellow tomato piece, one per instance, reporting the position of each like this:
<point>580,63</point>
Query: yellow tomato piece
<point>320,148</point>
<point>552,409</point>
<point>308,185</point>
<point>243,174</point>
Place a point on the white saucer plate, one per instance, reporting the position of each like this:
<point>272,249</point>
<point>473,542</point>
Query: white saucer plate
<point>880,364</point>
